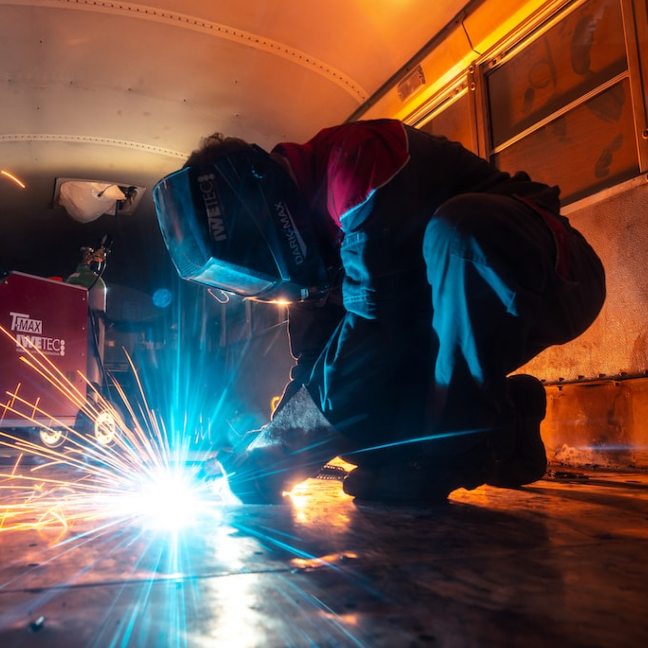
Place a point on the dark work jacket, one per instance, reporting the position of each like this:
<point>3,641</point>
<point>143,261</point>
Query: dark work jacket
<point>346,169</point>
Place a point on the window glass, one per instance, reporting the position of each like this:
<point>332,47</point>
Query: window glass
<point>591,147</point>
<point>574,57</point>
<point>454,122</point>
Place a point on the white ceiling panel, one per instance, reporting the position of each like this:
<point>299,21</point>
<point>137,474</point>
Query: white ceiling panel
<point>123,91</point>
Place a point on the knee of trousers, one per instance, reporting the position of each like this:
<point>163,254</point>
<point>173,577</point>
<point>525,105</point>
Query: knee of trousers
<point>458,226</point>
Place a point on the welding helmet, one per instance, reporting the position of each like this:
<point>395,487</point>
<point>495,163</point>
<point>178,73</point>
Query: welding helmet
<point>238,223</point>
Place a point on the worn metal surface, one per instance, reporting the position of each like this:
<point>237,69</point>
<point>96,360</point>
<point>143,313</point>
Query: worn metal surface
<point>558,563</point>
<point>616,344</point>
<point>598,424</point>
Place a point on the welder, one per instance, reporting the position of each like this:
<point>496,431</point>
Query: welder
<point>420,277</point>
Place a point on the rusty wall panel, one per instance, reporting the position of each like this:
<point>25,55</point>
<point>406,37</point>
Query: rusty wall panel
<point>598,424</point>
<point>617,343</point>
<point>604,422</point>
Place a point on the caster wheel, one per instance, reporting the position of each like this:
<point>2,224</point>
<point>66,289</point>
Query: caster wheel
<point>106,428</point>
<point>53,437</point>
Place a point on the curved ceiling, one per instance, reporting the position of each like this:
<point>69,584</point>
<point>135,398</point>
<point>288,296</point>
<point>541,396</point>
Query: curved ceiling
<point>122,91</point>
<point>124,86</point>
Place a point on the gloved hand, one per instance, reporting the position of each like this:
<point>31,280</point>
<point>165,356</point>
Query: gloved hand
<point>291,448</point>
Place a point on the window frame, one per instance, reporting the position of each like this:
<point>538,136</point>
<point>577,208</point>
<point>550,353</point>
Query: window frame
<point>474,81</point>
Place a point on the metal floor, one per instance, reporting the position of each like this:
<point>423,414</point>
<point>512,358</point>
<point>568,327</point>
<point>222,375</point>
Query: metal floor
<point>562,563</point>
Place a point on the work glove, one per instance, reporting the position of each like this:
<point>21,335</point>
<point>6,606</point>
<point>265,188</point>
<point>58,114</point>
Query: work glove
<point>291,448</point>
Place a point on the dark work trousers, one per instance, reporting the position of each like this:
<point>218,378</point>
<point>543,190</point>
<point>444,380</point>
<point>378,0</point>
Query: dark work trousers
<point>439,309</point>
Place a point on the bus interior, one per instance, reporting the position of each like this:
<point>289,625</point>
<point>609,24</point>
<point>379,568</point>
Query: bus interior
<point>139,378</point>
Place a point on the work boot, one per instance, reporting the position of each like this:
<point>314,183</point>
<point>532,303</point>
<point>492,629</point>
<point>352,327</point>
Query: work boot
<point>291,448</point>
<point>528,462</point>
<point>395,484</point>
<point>425,480</point>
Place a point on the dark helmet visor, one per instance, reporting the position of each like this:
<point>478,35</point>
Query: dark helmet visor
<point>238,225</point>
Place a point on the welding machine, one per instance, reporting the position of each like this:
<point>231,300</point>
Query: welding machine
<point>47,354</point>
<point>44,321</point>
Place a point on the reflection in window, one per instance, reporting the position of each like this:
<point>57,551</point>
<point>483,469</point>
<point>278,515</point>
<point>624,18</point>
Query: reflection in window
<point>454,122</point>
<point>591,147</point>
<point>577,55</point>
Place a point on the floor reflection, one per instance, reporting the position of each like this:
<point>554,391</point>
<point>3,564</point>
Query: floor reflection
<point>556,563</point>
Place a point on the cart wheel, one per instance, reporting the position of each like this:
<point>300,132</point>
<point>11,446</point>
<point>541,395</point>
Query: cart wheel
<point>52,437</point>
<point>106,429</point>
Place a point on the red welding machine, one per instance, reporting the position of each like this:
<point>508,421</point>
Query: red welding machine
<point>48,319</point>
